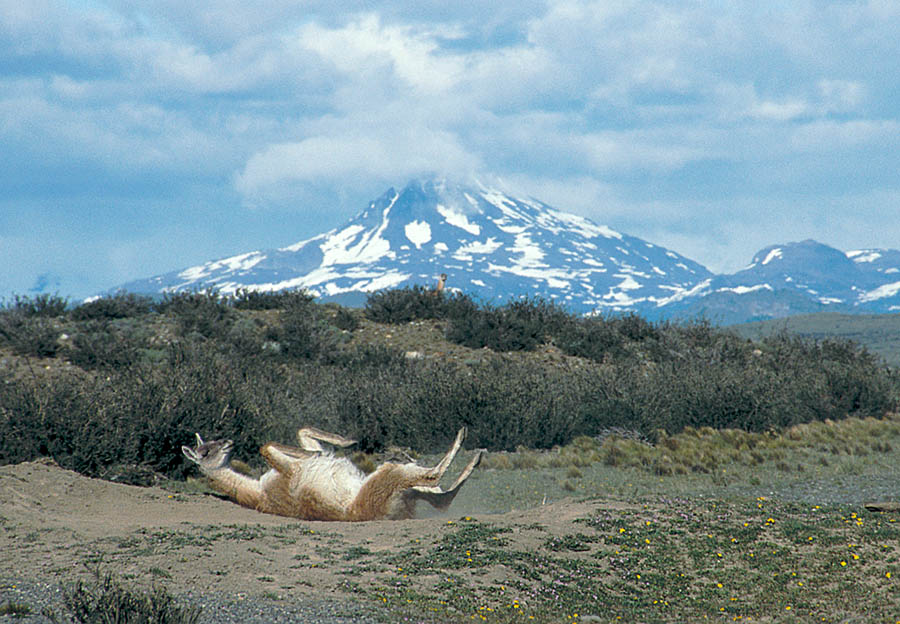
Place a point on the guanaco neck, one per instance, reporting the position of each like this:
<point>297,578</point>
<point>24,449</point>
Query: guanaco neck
<point>243,489</point>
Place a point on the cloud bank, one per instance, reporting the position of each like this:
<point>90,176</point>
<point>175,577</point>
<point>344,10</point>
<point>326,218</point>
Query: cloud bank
<point>683,123</point>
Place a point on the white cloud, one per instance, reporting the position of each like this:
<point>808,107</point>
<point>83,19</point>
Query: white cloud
<point>828,136</point>
<point>398,155</point>
<point>841,96</point>
<point>785,110</point>
<point>366,43</point>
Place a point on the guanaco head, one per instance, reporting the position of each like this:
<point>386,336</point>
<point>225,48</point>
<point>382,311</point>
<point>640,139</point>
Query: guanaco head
<point>209,455</point>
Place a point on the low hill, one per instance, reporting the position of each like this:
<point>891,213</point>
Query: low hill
<point>879,333</point>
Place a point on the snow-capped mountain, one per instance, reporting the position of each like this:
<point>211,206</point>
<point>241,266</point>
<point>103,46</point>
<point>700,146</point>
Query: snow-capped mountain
<point>497,247</point>
<point>799,278</point>
<point>491,245</point>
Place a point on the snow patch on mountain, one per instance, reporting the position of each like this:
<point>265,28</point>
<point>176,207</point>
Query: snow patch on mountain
<point>355,245</point>
<point>584,227</point>
<point>458,219</point>
<point>863,255</point>
<point>418,233</point>
<point>467,251</point>
<point>882,292</point>
<point>242,262</point>
<point>773,255</point>
<point>743,290</point>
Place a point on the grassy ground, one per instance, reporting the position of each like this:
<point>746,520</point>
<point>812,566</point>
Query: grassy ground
<point>587,538</point>
<point>663,560</point>
<point>578,534</point>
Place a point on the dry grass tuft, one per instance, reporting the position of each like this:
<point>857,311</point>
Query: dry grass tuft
<point>705,450</point>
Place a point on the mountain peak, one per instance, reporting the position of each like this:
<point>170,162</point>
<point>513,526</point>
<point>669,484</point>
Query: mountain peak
<point>496,245</point>
<point>490,243</point>
<point>808,256</point>
<point>822,272</point>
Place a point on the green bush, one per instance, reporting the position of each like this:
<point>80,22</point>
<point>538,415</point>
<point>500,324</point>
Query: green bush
<point>103,344</point>
<point>403,305</point>
<point>204,313</point>
<point>345,320</point>
<point>412,303</point>
<point>245,299</point>
<point>106,601</point>
<point>44,305</point>
<point>26,335</point>
<point>305,333</point>
<point>139,414</point>
<point>592,338</point>
<point>519,325</point>
<point>118,306</point>
<point>30,325</point>
<point>137,391</point>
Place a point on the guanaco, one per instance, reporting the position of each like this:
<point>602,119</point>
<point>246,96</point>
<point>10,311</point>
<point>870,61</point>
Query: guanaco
<point>311,483</point>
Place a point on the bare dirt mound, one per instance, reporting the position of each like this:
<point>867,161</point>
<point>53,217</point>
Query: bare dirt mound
<point>55,521</point>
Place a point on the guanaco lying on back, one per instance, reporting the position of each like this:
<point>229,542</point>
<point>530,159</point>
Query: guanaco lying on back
<point>310,483</point>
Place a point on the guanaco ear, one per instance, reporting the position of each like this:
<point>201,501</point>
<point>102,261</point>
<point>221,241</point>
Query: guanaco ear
<point>199,440</point>
<point>191,454</point>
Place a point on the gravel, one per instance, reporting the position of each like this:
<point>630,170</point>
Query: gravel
<point>44,601</point>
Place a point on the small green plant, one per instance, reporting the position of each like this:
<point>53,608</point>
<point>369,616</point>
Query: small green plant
<point>15,609</point>
<point>106,600</point>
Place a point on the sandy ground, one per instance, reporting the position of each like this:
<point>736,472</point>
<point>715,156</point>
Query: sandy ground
<point>55,524</point>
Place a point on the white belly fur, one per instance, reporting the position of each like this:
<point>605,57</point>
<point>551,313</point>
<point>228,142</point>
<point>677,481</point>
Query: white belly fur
<point>333,478</point>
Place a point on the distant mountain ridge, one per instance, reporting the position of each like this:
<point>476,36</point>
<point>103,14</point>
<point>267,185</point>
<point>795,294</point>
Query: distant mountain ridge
<point>491,245</point>
<point>496,247</point>
<point>799,278</point>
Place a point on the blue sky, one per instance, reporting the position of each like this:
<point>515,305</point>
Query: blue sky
<point>143,136</point>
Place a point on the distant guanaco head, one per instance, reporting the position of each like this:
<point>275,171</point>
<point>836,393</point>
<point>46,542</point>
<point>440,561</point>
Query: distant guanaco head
<point>210,455</point>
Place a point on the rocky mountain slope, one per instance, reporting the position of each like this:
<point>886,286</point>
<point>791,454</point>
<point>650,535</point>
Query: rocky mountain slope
<point>496,247</point>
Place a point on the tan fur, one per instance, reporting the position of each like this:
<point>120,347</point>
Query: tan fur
<point>440,285</point>
<point>312,484</point>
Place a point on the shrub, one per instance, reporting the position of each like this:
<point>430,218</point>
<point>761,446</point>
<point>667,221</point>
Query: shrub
<point>140,414</point>
<point>634,327</point>
<point>15,609</point>
<point>30,326</point>
<point>304,333</point>
<point>118,306</point>
<point>245,299</point>
<point>591,338</point>
<point>102,344</point>
<point>403,305</point>
<point>43,305</point>
<point>504,403</point>
<point>205,313</point>
<point>519,325</point>
<point>107,601</point>
<point>345,320</point>
<point>37,336</point>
